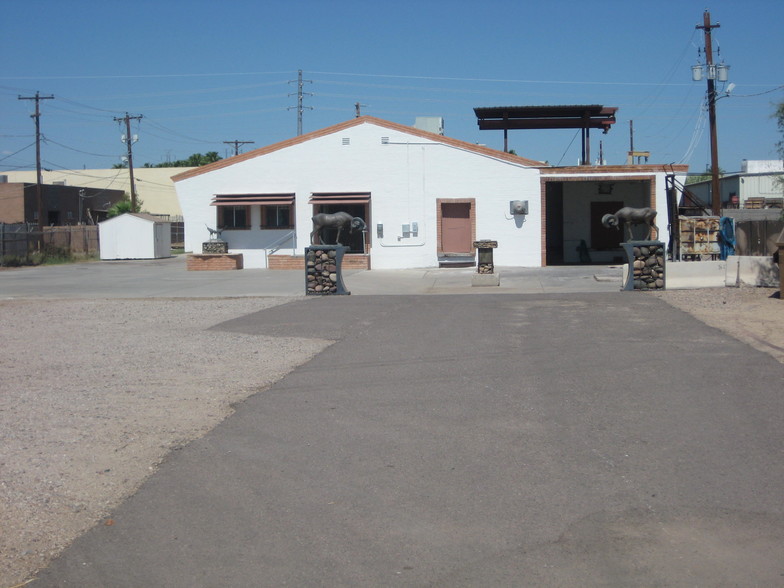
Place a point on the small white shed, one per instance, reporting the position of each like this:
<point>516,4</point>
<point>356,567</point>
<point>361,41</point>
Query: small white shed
<point>134,236</point>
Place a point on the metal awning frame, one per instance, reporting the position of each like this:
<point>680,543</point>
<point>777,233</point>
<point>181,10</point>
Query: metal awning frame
<point>252,199</point>
<point>340,198</point>
<point>584,117</point>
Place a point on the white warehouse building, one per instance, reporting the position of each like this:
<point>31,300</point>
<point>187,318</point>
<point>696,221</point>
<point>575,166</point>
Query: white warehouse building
<point>425,199</point>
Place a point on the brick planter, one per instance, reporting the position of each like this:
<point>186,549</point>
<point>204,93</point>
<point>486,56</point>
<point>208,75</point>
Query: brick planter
<point>214,262</point>
<point>296,262</point>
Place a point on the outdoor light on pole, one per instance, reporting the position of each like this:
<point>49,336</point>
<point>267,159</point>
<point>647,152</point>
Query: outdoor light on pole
<point>713,73</point>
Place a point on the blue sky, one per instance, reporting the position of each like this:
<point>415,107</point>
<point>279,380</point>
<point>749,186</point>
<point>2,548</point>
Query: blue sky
<point>201,73</point>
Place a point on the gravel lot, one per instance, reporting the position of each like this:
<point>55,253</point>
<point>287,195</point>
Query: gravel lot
<point>96,392</point>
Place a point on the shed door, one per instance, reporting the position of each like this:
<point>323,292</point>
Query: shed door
<point>456,227</point>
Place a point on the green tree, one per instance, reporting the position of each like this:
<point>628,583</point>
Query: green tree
<point>123,206</point>
<point>195,160</point>
<point>703,177</point>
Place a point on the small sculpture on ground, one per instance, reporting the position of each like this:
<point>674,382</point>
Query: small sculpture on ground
<point>339,221</point>
<point>632,216</point>
<point>215,234</point>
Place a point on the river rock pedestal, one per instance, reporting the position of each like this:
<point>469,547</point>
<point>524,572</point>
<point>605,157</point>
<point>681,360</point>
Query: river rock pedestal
<point>485,268</point>
<point>323,270</point>
<point>215,247</point>
<point>646,262</point>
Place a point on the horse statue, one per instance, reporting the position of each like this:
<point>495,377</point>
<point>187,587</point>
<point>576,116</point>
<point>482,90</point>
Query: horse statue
<point>632,216</point>
<point>338,220</point>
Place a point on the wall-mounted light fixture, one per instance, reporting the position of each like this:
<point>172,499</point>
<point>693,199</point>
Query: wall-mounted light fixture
<point>518,207</point>
<point>606,187</point>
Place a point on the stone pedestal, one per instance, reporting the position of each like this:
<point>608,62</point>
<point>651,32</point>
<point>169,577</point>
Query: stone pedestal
<point>485,268</point>
<point>646,261</point>
<point>215,246</point>
<point>323,270</point>
<point>484,250</point>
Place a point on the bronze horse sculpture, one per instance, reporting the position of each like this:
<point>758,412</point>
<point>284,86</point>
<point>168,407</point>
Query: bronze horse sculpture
<point>632,216</point>
<point>338,220</point>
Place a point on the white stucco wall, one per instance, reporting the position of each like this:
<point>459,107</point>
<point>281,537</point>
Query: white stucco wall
<point>405,177</point>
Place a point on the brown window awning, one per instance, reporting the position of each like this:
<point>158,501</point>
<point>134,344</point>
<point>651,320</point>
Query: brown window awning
<point>251,199</point>
<point>340,198</point>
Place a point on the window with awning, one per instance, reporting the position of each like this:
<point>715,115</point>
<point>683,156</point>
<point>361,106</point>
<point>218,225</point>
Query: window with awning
<point>339,198</point>
<point>252,199</point>
<point>277,210</point>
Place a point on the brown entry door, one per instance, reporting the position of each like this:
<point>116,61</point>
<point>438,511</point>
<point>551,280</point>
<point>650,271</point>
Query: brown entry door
<point>456,227</point>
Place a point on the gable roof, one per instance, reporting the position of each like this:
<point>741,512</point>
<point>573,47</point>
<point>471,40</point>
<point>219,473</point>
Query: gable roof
<point>479,149</point>
<point>140,215</point>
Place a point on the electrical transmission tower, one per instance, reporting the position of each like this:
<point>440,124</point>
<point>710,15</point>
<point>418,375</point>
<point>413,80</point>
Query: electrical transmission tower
<point>129,141</point>
<point>37,117</point>
<point>237,144</point>
<point>300,94</point>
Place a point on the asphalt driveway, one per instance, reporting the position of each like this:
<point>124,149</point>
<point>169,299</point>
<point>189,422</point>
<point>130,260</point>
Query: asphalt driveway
<point>593,439</point>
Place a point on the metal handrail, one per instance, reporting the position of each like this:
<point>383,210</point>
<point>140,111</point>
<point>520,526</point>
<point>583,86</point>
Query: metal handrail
<point>276,245</point>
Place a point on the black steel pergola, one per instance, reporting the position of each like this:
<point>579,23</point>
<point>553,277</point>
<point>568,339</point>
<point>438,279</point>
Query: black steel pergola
<point>578,116</point>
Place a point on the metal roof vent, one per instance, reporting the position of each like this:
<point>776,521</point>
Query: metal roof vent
<point>347,140</point>
<point>385,140</point>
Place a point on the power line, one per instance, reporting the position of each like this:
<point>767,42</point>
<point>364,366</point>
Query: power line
<point>116,77</point>
<point>47,140</point>
<point>15,152</point>
<point>158,125</point>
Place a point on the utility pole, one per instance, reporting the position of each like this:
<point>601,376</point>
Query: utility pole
<point>357,109</point>
<point>237,144</point>
<point>715,189</point>
<point>129,141</point>
<point>300,94</point>
<point>39,179</point>
<point>632,153</point>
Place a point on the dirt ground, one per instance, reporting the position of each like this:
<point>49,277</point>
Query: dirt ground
<point>752,315</point>
<point>95,393</point>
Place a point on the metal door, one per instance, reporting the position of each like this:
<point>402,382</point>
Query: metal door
<point>456,228</point>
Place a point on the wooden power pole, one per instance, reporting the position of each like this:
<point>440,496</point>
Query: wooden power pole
<point>128,140</point>
<point>714,147</point>
<point>39,179</point>
<point>237,144</point>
